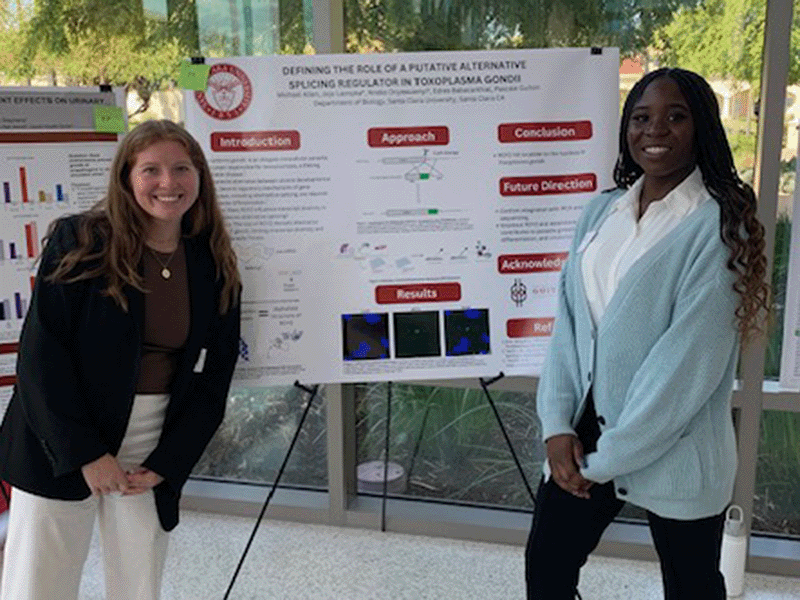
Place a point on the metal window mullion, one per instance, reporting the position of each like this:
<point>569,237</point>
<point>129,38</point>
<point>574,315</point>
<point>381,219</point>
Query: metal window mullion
<point>328,23</point>
<point>328,37</point>
<point>340,415</point>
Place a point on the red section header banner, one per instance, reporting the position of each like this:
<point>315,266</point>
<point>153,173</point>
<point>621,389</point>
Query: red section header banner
<point>532,327</point>
<point>418,292</point>
<point>544,132</point>
<point>51,137</point>
<point>254,141</point>
<point>531,263</point>
<point>392,137</point>
<point>542,185</point>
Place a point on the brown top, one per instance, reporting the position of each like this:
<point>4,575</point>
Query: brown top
<point>166,319</point>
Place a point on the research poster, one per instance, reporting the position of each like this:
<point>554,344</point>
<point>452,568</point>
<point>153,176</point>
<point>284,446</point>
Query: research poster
<point>404,216</point>
<point>52,163</point>
<point>8,362</point>
<point>790,355</point>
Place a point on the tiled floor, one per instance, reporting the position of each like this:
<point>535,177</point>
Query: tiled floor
<point>288,561</point>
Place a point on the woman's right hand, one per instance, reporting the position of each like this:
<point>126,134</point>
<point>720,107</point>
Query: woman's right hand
<point>105,476</point>
<point>565,456</point>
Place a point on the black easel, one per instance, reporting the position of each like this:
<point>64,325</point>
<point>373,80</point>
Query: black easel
<point>485,385</point>
<point>312,394</point>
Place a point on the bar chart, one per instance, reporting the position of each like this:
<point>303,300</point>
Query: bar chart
<point>12,250</point>
<point>19,192</point>
<point>43,177</point>
<point>40,181</point>
<point>13,308</point>
<point>50,166</point>
<point>15,296</point>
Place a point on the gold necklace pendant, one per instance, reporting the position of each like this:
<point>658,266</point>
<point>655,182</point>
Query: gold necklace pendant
<point>165,272</point>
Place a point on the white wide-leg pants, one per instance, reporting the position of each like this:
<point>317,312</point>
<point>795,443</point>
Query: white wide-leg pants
<point>48,540</point>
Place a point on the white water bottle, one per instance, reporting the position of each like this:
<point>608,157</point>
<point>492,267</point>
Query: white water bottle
<point>734,552</point>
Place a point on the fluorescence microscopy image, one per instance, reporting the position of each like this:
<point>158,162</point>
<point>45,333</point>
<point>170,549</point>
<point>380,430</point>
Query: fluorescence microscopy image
<point>416,334</point>
<point>466,332</point>
<point>365,336</point>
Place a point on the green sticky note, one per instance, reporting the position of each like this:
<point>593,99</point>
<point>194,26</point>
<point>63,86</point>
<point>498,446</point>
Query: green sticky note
<point>193,77</point>
<point>109,119</point>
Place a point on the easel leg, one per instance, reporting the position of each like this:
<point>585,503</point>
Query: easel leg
<point>485,385</point>
<point>418,443</point>
<point>312,394</point>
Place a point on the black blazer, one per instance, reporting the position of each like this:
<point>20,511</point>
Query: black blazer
<point>77,369</point>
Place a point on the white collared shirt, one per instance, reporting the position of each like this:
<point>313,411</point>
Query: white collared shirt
<point>622,238</point>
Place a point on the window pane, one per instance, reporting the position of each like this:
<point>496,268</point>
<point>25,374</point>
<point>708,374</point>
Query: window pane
<point>255,436</point>
<point>254,27</point>
<point>721,40</point>
<point>777,498</point>
<point>260,422</point>
<point>418,25</point>
<point>786,201</point>
<point>776,507</point>
<point>780,266</point>
<point>447,444</point>
<point>139,44</point>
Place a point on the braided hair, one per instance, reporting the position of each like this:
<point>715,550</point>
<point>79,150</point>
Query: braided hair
<point>740,229</point>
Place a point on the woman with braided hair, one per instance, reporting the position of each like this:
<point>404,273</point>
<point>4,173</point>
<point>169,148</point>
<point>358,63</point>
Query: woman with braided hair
<point>665,278</point>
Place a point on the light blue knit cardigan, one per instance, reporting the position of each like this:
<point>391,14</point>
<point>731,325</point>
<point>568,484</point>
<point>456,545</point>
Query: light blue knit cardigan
<point>660,364</point>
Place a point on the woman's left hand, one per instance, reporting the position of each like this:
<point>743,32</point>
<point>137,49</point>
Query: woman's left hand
<point>142,480</point>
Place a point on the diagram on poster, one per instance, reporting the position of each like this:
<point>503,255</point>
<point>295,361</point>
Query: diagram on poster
<point>419,170</point>
<point>404,216</point>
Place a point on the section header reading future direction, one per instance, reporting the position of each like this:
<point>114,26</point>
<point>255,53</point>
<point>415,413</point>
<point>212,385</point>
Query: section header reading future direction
<point>404,216</point>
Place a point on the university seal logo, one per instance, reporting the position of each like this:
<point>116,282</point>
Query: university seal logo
<point>228,93</point>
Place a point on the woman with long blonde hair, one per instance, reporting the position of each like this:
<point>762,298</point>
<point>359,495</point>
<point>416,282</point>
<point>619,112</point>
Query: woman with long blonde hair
<point>125,360</point>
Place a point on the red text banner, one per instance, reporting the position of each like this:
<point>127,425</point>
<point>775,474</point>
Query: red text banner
<point>544,132</point>
<point>530,327</point>
<point>254,141</point>
<point>544,185</point>
<point>418,292</point>
<point>531,263</point>
<point>392,137</point>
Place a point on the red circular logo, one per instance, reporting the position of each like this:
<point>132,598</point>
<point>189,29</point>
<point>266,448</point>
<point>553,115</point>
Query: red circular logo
<point>228,93</point>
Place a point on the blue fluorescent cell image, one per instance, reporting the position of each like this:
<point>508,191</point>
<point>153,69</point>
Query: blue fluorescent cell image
<point>365,336</point>
<point>466,332</point>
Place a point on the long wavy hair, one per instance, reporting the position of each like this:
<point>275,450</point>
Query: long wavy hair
<point>740,229</point>
<point>111,235</point>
